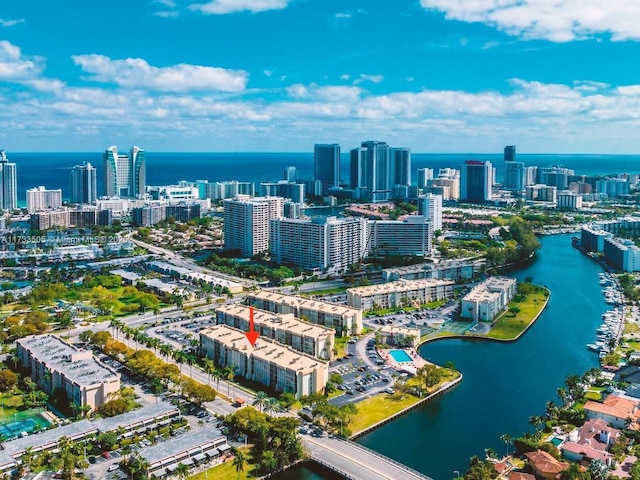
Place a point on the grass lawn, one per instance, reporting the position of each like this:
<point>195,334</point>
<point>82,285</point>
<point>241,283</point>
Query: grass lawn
<point>508,326</point>
<point>10,404</point>
<point>326,291</point>
<point>341,346</point>
<point>375,409</point>
<point>226,471</point>
<point>631,328</point>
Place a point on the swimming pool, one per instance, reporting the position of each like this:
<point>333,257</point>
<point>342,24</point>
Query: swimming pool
<point>400,356</point>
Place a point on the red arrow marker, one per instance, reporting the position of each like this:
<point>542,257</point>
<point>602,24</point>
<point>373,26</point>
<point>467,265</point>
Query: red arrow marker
<point>252,335</point>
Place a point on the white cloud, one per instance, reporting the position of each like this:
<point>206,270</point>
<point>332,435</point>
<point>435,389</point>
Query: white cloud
<point>222,7</point>
<point>167,13</point>
<point>554,20</point>
<point>368,78</point>
<point>137,73</point>
<point>345,76</point>
<point>15,66</point>
<point>7,22</point>
<point>267,73</point>
<point>346,14</point>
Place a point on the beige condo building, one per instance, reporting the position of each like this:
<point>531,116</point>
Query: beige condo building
<point>270,363</point>
<point>285,328</point>
<point>400,293</point>
<point>343,319</point>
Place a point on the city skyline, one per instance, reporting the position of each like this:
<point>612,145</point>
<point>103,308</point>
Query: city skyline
<point>281,75</point>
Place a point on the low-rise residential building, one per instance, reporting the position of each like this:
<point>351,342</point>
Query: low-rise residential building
<point>591,442</point>
<point>190,449</point>
<point>616,411</point>
<point>55,363</point>
<point>305,337</point>
<point>400,293</point>
<point>486,300</point>
<point>268,362</point>
<point>187,274</point>
<point>456,270</point>
<point>544,465</point>
<point>395,336</point>
<point>344,320</point>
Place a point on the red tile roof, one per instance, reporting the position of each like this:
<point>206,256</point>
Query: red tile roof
<point>544,463</point>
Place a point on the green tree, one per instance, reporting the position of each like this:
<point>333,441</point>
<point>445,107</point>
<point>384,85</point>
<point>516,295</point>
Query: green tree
<point>240,461</point>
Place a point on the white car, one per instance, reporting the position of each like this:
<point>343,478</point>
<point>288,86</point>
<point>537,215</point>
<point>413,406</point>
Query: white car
<point>113,467</point>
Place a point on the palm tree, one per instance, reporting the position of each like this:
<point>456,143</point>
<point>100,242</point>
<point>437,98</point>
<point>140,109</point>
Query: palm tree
<point>240,461</point>
<point>218,374</point>
<point>272,405</point>
<point>261,400</point>
<point>182,470</point>
<point>27,457</point>
<point>230,373</point>
<point>209,368</point>
<point>506,438</point>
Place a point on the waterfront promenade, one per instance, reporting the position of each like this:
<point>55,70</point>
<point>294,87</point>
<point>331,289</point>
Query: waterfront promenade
<point>356,462</point>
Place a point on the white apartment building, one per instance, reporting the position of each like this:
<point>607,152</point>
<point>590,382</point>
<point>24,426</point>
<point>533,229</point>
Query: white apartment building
<point>40,198</point>
<point>344,320</point>
<point>285,328</point>
<point>542,193</point>
<point>569,200</point>
<point>268,362</point>
<point>411,236</point>
<point>456,270</point>
<point>55,363</point>
<point>622,254</point>
<point>400,293</point>
<point>247,223</point>
<point>323,243</point>
<point>485,301</point>
<point>430,206</point>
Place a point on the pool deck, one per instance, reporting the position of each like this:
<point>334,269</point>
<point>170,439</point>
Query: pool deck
<point>416,360</point>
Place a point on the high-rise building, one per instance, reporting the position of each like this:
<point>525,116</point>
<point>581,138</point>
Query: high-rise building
<point>326,165</point>
<point>324,243</point>
<point>290,174</point>
<point>400,166</point>
<point>476,178</point>
<point>371,170</point>
<point>40,198</point>
<point>124,175</point>
<point>9,186</point>
<point>83,184</point>
<point>514,176</point>
<point>424,175</point>
<point>411,236</point>
<point>430,206</point>
<point>247,223</point>
<point>510,153</point>
<point>293,191</point>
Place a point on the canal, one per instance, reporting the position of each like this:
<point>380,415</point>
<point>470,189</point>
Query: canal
<point>504,383</point>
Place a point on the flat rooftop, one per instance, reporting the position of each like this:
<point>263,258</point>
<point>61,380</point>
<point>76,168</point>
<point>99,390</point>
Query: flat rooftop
<point>308,303</point>
<point>61,356</point>
<point>443,265</point>
<point>394,330</point>
<point>284,321</point>
<point>191,443</point>
<point>499,282</point>
<point>264,349</point>
<point>138,417</point>
<point>46,439</point>
<point>398,286</point>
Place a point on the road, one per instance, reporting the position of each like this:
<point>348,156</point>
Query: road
<point>356,462</point>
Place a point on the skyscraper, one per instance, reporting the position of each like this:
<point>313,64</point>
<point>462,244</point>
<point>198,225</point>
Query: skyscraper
<point>424,175</point>
<point>40,198</point>
<point>246,223</point>
<point>371,170</point>
<point>514,176</point>
<point>9,186</point>
<point>83,184</point>
<point>476,178</point>
<point>400,166</point>
<point>124,175</point>
<point>510,153</point>
<point>290,174</point>
<point>430,206</point>
<point>326,165</point>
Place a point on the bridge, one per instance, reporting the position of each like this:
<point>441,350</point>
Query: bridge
<point>356,462</point>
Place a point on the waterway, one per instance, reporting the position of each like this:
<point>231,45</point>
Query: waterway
<point>504,383</point>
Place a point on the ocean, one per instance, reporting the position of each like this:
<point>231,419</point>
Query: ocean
<point>52,170</point>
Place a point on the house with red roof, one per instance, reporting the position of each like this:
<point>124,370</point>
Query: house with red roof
<point>521,476</point>
<point>544,465</point>
<point>616,411</point>
<point>591,442</point>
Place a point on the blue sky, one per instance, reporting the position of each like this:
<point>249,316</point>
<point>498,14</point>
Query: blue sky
<point>549,76</point>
